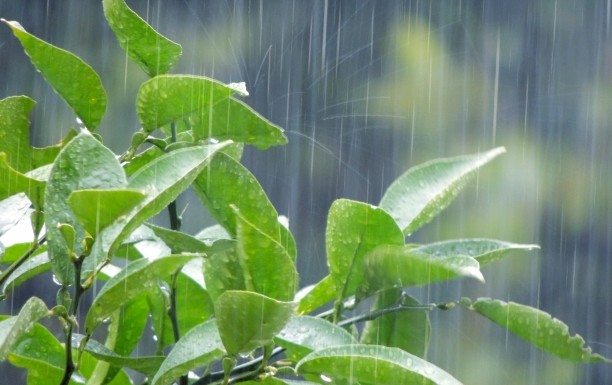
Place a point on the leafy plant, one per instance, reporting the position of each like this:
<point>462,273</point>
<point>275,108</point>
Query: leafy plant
<point>223,303</point>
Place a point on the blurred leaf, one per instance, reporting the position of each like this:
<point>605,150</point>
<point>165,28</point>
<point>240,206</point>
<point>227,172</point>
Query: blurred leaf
<point>235,120</point>
<point>136,278</point>
<point>537,327</point>
<point>304,334</point>
<point>372,365</point>
<point>180,242</point>
<point>320,294</point>
<point>95,209</point>
<point>32,267</point>
<point>277,381</point>
<point>199,347</point>
<point>15,182</point>
<point>83,164</point>
<point>421,193</point>
<point>74,80</point>
<point>408,330</point>
<point>154,53</point>
<point>12,329</point>
<point>13,210</point>
<point>15,131</point>
<point>227,182</point>
<point>354,229</point>
<point>388,266</point>
<point>162,180</point>
<point>485,251</point>
<point>167,98</point>
<point>248,320</point>
<point>267,267</point>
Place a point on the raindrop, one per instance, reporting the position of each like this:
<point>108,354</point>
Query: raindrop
<point>56,280</point>
<point>325,378</point>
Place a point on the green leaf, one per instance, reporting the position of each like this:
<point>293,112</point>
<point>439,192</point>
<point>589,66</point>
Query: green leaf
<point>167,98</point>
<point>84,163</point>
<point>408,330</point>
<point>226,182</point>
<point>235,120</point>
<point>154,53</point>
<point>354,229</point>
<point>15,131</point>
<point>316,296</point>
<point>421,193</point>
<point>12,329</point>
<point>180,242</point>
<point>136,278</point>
<point>199,347</point>
<point>372,365</point>
<point>268,268</point>
<point>388,266</point>
<point>74,80</point>
<point>223,271</point>
<point>485,251</point>
<point>15,182</point>
<point>13,210</point>
<point>248,320</point>
<point>304,334</point>
<point>537,327</point>
<point>32,267</point>
<point>95,209</point>
<point>162,180</point>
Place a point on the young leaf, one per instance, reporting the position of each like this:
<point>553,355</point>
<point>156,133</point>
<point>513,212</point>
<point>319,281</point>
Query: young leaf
<point>136,278</point>
<point>268,269</point>
<point>199,347</point>
<point>421,193</point>
<point>304,334</point>
<point>388,266</point>
<point>75,81</point>
<point>167,98</point>
<point>485,251</point>
<point>320,294</point>
<point>154,53</point>
<point>408,330</point>
<point>12,329</point>
<point>83,164</point>
<point>354,229</point>
<point>235,120</point>
<point>372,365</point>
<point>248,320</point>
<point>537,327</point>
<point>15,131</point>
<point>95,209</point>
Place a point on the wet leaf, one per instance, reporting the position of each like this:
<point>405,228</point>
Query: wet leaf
<point>267,267</point>
<point>84,163</point>
<point>537,327</point>
<point>180,242</point>
<point>95,209</point>
<point>389,266</point>
<point>31,268</point>
<point>372,365</point>
<point>354,229</point>
<point>13,210</point>
<point>199,347</point>
<point>304,334</point>
<point>162,180</point>
<point>226,182</point>
<point>248,320</point>
<point>74,80</point>
<point>15,131</point>
<point>408,330</point>
<point>153,52</point>
<point>485,251</point>
<point>421,193</point>
<point>13,328</point>
<point>167,98</point>
<point>15,182</point>
<point>235,120</point>
<point>137,277</point>
<point>223,271</point>
<point>321,293</point>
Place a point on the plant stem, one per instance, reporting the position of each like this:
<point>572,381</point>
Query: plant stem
<point>74,309</point>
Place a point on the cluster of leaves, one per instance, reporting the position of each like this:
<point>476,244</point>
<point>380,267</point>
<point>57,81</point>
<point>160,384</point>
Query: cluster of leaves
<point>226,298</point>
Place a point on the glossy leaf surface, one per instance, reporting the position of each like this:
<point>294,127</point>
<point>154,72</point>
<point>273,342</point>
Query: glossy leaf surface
<point>199,347</point>
<point>15,131</point>
<point>537,327</point>
<point>153,52</point>
<point>248,320</point>
<point>354,229</point>
<point>418,195</point>
<point>31,268</point>
<point>372,365</point>
<point>13,328</point>
<point>16,182</point>
<point>74,80</point>
<point>320,294</point>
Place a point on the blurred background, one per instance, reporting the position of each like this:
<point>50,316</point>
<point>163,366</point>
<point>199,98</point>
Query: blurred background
<point>366,90</point>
